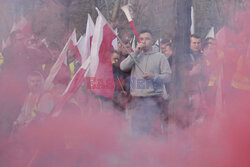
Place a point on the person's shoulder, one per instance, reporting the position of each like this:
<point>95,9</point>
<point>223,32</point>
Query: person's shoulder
<point>159,54</point>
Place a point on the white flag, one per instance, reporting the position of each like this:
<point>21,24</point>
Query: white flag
<point>84,43</point>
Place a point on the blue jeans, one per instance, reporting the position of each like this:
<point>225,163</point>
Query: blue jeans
<point>143,112</point>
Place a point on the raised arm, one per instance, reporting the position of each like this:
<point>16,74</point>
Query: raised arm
<point>128,63</point>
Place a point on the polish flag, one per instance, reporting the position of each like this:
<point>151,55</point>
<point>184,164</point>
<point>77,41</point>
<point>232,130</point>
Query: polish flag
<point>125,9</point>
<point>73,44</point>
<point>100,73</point>
<point>72,88</point>
<point>84,46</point>
<point>62,59</point>
<point>84,43</point>
<point>211,33</point>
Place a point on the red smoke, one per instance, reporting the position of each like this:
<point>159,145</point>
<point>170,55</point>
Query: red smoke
<point>94,139</point>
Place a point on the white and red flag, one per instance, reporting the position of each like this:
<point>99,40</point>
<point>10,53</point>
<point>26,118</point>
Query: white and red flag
<point>61,60</point>
<point>72,88</point>
<point>100,73</point>
<point>73,44</point>
<point>84,43</point>
<point>84,46</point>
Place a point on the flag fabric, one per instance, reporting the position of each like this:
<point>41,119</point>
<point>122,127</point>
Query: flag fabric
<point>133,44</point>
<point>85,50</point>
<point>73,41</point>
<point>73,44</point>
<point>211,33</point>
<point>156,46</point>
<point>62,58</point>
<point>84,43</point>
<point>100,73</point>
<point>72,88</point>
<point>115,41</point>
<point>80,46</point>
<point>84,46</point>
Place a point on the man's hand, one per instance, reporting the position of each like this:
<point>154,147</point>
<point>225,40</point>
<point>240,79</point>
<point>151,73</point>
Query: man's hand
<point>139,47</point>
<point>124,93</point>
<point>147,75</point>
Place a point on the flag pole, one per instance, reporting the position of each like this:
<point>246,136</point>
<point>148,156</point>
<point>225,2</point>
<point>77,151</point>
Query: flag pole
<point>51,76</point>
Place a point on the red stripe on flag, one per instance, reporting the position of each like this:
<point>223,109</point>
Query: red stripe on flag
<point>77,54</point>
<point>104,74</point>
<point>74,86</point>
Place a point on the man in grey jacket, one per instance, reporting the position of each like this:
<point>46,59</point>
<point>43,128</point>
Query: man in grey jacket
<point>149,71</point>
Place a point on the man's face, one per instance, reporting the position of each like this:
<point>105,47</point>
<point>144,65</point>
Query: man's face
<point>168,51</point>
<point>163,47</point>
<point>195,44</point>
<point>147,41</point>
<point>34,83</point>
<point>115,58</point>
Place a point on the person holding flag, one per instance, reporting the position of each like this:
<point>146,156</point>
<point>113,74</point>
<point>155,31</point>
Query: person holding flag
<point>148,75</point>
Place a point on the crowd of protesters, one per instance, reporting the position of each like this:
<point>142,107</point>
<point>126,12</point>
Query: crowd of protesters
<point>143,82</point>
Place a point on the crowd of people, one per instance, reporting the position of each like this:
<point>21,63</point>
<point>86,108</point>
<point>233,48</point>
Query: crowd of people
<point>143,82</point>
